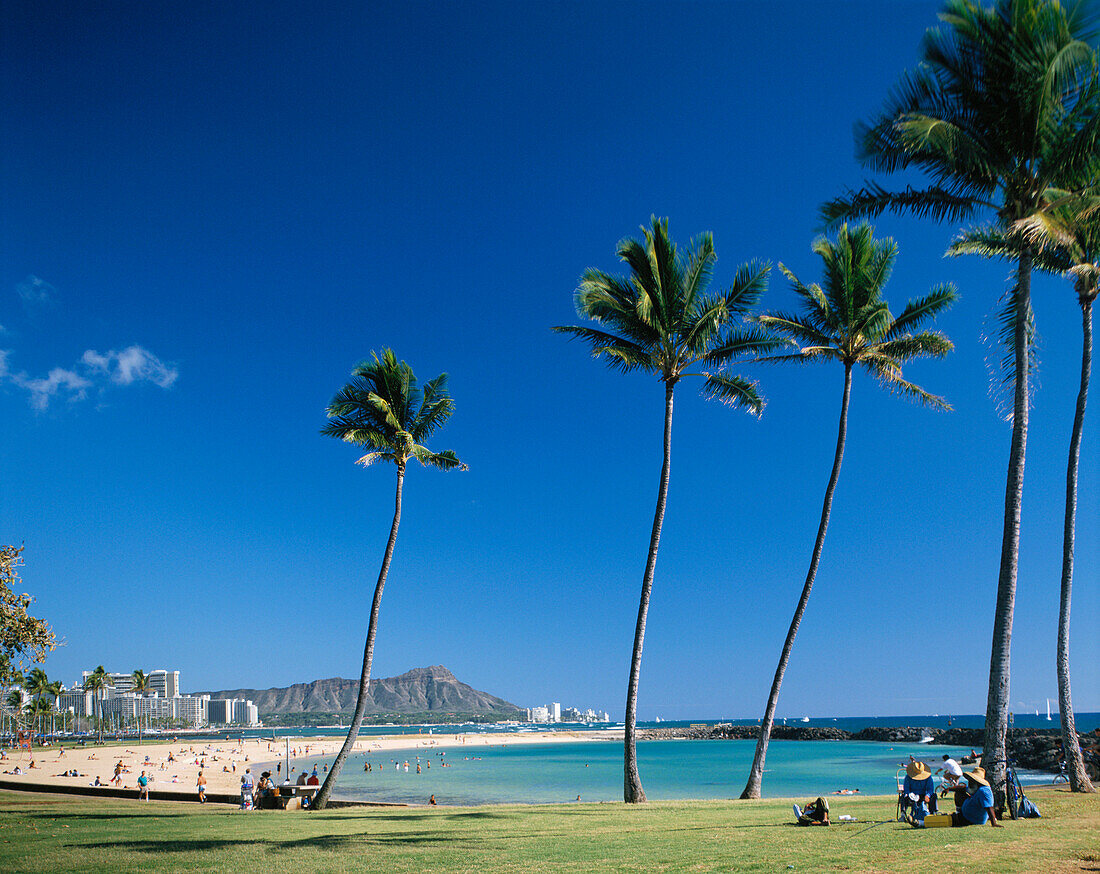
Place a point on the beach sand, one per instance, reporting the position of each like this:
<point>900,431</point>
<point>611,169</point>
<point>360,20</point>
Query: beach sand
<point>224,762</point>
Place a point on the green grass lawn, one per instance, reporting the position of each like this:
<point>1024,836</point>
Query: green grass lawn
<point>52,833</point>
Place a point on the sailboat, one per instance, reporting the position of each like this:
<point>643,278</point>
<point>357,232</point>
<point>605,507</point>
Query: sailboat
<point>1048,710</point>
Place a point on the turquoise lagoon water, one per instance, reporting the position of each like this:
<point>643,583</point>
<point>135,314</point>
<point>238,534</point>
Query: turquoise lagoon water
<point>670,769</point>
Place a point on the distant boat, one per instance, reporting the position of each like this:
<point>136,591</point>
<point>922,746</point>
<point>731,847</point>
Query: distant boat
<point>659,719</point>
<point>1048,710</point>
<point>805,719</point>
<point>927,739</point>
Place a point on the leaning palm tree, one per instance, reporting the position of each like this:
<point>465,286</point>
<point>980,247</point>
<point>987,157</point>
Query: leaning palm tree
<point>384,409</point>
<point>846,319</point>
<point>1003,108</point>
<point>141,684</point>
<point>660,320</point>
<point>1068,239</point>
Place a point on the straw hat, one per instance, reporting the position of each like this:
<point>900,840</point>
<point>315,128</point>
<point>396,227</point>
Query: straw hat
<point>976,776</point>
<point>918,770</point>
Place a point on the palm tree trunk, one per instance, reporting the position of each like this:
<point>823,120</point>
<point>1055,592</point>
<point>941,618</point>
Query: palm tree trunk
<point>633,793</point>
<point>994,758</point>
<point>1075,765</point>
<point>756,774</point>
<point>321,800</point>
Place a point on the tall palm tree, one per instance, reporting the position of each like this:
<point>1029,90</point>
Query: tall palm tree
<point>141,685</point>
<point>1002,108</point>
<point>384,409</point>
<point>660,320</point>
<point>97,682</point>
<point>1068,240</point>
<point>36,683</point>
<point>846,319</point>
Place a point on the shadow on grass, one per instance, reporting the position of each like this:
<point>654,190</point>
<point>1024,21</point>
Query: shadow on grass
<point>321,842</point>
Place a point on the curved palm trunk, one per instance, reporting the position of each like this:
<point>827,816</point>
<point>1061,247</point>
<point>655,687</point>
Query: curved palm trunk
<point>322,796</point>
<point>756,774</point>
<point>994,758</point>
<point>1075,766</point>
<point>633,793</point>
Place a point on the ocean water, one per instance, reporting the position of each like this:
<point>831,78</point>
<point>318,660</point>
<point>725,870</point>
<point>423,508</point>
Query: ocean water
<point>670,769</point>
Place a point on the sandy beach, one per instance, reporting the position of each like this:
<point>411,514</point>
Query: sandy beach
<point>175,765</point>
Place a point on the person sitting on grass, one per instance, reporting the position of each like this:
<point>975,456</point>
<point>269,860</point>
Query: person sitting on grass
<point>815,812</point>
<point>918,792</point>
<point>975,806</point>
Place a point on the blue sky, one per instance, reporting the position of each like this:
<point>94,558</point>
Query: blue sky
<point>213,211</point>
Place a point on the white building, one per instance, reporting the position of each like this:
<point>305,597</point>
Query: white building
<point>165,683</point>
<point>538,714</point>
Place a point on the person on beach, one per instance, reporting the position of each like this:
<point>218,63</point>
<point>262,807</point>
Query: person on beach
<point>976,805</point>
<point>302,778</point>
<point>815,812</point>
<point>143,787</point>
<point>248,787</point>
<point>431,801</point>
<point>201,783</point>
<point>117,778</point>
<point>952,773</point>
<point>313,779</point>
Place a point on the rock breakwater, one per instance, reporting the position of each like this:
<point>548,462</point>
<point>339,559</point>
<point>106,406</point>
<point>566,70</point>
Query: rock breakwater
<point>1033,749</point>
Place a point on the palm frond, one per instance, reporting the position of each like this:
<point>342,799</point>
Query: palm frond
<point>999,337</point>
<point>935,203</point>
<point>445,460</point>
<point>622,354</point>
<point>917,312</point>
<point>734,391</point>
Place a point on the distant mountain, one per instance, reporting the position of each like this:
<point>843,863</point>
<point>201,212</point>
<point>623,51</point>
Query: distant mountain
<point>421,690</point>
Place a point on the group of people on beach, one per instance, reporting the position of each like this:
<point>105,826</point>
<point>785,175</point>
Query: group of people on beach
<point>972,793</point>
<point>918,796</point>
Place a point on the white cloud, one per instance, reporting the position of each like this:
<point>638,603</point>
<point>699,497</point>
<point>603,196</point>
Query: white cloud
<point>132,364</point>
<point>44,388</point>
<point>35,292</point>
<point>94,372</point>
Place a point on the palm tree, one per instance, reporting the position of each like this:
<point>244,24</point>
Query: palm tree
<point>1002,109</point>
<point>141,685</point>
<point>384,409</point>
<point>846,319</point>
<point>36,683</point>
<point>54,690</point>
<point>97,682</point>
<point>661,321</point>
<point>1069,244</point>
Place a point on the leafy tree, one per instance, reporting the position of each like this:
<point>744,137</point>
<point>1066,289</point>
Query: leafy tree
<point>22,636</point>
<point>1002,108</point>
<point>385,410</point>
<point>660,320</point>
<point>1068,238</point>
<point>847,320</point>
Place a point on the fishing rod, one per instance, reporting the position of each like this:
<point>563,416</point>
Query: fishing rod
<point>873,825</point>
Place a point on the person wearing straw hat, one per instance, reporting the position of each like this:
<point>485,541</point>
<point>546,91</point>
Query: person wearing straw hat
<point>918,793</point>
<point>975,806</point>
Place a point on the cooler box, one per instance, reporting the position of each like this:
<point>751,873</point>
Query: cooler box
<point>937,820</point>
